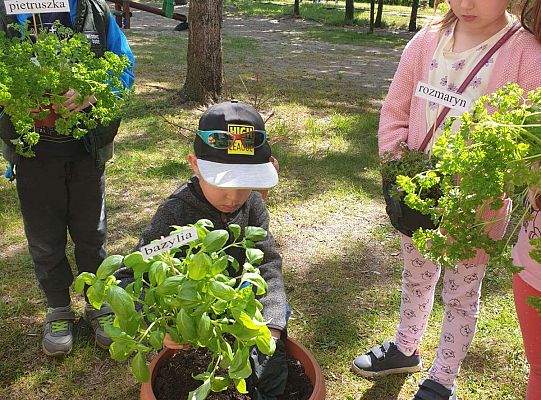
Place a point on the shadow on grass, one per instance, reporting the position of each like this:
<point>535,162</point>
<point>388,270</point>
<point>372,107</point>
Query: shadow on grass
<point>321,169</point>
<point>151,103</point>
<point>385,388</point>
<point>344,296</point>
<point>332,170</point>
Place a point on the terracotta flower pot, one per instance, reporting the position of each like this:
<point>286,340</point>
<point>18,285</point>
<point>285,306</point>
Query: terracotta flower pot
<point>294,350</point>
<point>171,344</point>
<point>311,367</point>
<point>48,121</point>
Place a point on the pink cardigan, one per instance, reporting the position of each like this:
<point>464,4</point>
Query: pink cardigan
<point>403,116</point>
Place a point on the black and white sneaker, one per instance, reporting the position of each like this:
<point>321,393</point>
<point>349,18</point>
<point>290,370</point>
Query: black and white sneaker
<point>432,390</point>
<point>385,360</point>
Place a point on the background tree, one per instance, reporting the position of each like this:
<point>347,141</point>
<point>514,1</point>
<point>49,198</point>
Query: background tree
<point>372,7</point>
<point>413,18</point>
<point>379,14</point>
<point>349,11</point>
<point>297,8</point>
<point>204,76</point>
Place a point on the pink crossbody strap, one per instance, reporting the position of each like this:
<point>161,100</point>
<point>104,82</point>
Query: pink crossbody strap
<point>516,26</point>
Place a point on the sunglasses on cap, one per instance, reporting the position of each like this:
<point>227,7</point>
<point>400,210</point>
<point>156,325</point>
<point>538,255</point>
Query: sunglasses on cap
<point>223,139</point>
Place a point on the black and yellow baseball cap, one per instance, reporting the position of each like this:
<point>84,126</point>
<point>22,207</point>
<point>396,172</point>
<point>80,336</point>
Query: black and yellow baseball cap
<point>232,149</point>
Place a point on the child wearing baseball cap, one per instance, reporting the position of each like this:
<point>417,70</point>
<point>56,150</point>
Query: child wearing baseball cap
<point>231,160</point>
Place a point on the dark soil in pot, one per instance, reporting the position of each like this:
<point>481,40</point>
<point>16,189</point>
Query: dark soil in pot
<point>173,380</point>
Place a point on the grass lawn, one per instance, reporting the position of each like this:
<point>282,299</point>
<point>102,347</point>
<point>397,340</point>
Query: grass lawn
<point>332,12</point>
<point>341,257</point>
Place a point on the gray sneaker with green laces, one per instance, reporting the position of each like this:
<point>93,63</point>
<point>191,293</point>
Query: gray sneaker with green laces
<point>58,331</point>
<point>98,319</point>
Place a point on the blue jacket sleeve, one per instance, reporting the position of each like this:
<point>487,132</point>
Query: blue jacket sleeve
<point>118,44</point>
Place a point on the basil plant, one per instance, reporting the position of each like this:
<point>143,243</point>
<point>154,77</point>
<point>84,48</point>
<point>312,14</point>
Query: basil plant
<point>188,292</point>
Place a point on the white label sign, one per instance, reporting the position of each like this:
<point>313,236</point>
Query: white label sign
<point>169,242</point>
<point>441,96</point>
<point>36,6</point>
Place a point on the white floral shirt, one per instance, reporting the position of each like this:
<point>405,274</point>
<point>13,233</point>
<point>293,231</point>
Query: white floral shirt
<point>448,70</point>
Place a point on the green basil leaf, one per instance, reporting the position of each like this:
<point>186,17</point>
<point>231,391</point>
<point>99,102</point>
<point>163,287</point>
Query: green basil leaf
<point>219,383</point>
<point>118,335</point>
<point>240,366</point>
<point>201,392</point>
<point>140,269</point>
<point>150,297</point>
<point>171,285</point>
<point>241,332</point>
<point>247,321</point>
<point>157,272</point>
<point>264,342</point>
<point>240,384</point>
<point>255,233</point>
<point>96,294</point>
<point>120,302</point>
<point>204,329</point>
<point>156,340</point>
<point>207,223</point>
<point>188,295</point>
<point>227,353</point>
<point>222,291</point>
<point>202,377</point>
<point>120,351</point>
<point>108,266</point>
<point>234,263</point>
<point>139,368</point>
<point>199,266</point>
<point>256,280</point>
<point>130,325</point>
<point>215,240</point>
<point>254,256</point>
<point>186,326</point>
<point>84,278</point>
<point>219,306</point>
<point>133,259</point>
<point>219,265</point>
<point>235,230</point>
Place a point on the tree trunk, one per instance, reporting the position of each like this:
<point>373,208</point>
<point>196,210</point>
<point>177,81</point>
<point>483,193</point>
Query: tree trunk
<point>379,15</point>
<point>413,18</point>
<point>204,76</point>
<point>297,8</point>
<point>349,11</point>
<point>372,7</point>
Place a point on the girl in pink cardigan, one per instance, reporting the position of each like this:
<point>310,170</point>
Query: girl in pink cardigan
<point>439,58</point>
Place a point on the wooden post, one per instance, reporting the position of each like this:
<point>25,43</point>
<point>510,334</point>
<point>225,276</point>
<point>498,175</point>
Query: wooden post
<point>126,9</point>
<point>118,18</point>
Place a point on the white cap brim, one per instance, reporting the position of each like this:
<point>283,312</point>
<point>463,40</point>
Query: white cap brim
<point>238,176</point>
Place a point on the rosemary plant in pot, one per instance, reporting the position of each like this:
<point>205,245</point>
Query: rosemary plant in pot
<point>36,70</point>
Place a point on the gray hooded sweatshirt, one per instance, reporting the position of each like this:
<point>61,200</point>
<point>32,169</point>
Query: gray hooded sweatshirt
<point>188,204</point>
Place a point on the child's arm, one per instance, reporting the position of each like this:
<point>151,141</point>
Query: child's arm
<point>395,112</point>
<point>528,75</point>
<point>274,302</point>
